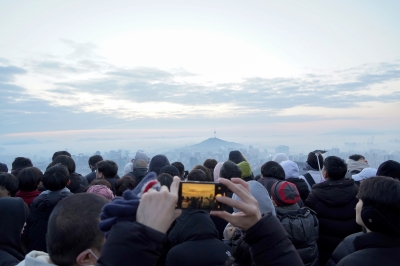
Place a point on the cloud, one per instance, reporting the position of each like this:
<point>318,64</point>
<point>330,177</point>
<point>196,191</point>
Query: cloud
<point>8,73</point>
<point>80,50</point>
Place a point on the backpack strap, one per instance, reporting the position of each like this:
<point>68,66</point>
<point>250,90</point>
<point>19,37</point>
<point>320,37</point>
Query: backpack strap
<point>309,179</point>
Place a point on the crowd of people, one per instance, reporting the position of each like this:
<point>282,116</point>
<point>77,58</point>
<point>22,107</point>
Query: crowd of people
<point>337,213</point>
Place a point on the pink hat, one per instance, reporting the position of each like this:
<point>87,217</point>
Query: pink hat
<point>217,169</point>
<point>101,191</point>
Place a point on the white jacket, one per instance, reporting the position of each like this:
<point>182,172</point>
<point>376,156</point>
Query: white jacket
<point>36,258</point>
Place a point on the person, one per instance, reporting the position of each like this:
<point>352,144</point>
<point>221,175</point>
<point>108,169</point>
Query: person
<point>93,160</point>
<point>102,191</point>
<point>229,170</point>
<point>3,168</point>
<point>56,154</point>
<point>300,223</point>
<point>356,163</point>
<point>270,173</point>
<point>101,182</point>
<point>140,166</point>
<point>280,157</point>
<point>210,164</point>
<point>334,201</point>
<point>247,174</point>
<point>171,170</point>
<point>29,180</point>
<point>82,239</point>
<point>389,168</point>
<point>8,185</point>
<point>207,171</point>
<point>107,170</point>
<point>313,165</point>
<point>138,239</point>
<point>13,214</point>
<point>197,175</point>
<point>236,157</point>
<point>292,175</point>
<point>129,166</point>
<point>165,179</point>
<point>55,180</point>
<point>20,162</point>
<point>194,231</point>
<point>157,162</point>
<point>78,183</point>
<point>124,183</point>
<point>181,169</point>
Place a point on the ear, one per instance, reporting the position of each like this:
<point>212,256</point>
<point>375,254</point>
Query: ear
<point>86,258</point>
<point>69,182</point>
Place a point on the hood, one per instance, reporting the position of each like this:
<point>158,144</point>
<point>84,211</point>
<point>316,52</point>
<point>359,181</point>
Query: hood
<point>157,162</point>
<point>47,200</point>
<point>291,169</point>
<point>36,258</point>
<point>335,192</point>
<point>246,169</point>
<point>27,196</point>
<point>280,157</point>
<point>191,226</point>
<point>141,160</point>
<point>236,157</point>
<point>13,214</point>
<point>217,170</point>
<point>356,165</point>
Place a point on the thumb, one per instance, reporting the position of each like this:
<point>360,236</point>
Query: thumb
<point>177,213</point>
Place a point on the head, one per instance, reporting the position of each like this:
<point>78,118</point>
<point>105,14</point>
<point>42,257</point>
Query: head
<point>313,160</point>
<point>358,158</point>
<point>56,177</point>
<point>102,191</point>
<point>284,193</point>
<point>246,169</point>
<point>236,157</point>
<point>170,169</point>
<point>8,185</point>
<point>389,168</point>
<point>229,169</point>
<point>273,169</point>
<point>180,167</point>
<point>66,161</point>
<point>3,168</point>
<point>124,183</point>
<point>378,207</point>
<point>29,178</point>
<point>210,164</point>
<point>165,179</point>
<point>280,157</point>
<point>205,170</point>
<point>58,153</point>
<point>82,239</point>
<point>217,171</point>
<point>21,162</point>
<point>101,182</point>
<point>197,175</point>
<point>141,160</point>
<point>157,162</point>
<point>291,169</point>
<point>334,168</point>
<point>93,160</point>
<point>106,169</point>
<point>259,192</point>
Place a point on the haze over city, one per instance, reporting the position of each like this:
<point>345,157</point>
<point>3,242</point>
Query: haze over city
<point>157,76</point>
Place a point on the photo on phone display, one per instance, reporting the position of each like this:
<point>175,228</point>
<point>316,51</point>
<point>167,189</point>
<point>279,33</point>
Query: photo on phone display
<point>200,195</point>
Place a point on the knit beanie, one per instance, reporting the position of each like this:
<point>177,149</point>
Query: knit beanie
<point>284,193</point>
<point>291,169</point>
<point>102,191</point>
<point>364,174</point>
<point>261,195</point>
<point>389,168</point>
<point>246,169</point>
<point>217,169</point>
<point>170,169</point>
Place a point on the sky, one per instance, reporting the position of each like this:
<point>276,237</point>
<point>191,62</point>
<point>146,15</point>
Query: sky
<point>86,73</point>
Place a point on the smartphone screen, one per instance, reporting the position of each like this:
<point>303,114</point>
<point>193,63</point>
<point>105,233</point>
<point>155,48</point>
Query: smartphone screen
<point>200,195</point>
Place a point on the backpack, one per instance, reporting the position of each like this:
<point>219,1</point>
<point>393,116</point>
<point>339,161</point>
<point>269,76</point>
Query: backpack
<point>309,179</point>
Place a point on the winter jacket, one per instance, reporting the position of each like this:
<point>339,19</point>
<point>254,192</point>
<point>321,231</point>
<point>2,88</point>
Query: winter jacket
<point>267,182</point>
<point>138,174</point>
<point>346,247</point>
<point>195,241</point>
<point>91,176</point>
<point>334,201</point>
<point>36,228</point>
<point>316,176</point>
<point>374,249</point>
<point>27,196</point>
<point>36,258</point>
<point>302,226</point>
<point>301,186</point>
<point>13,214</point>
<point>269,243</point>
<point>75,186</point>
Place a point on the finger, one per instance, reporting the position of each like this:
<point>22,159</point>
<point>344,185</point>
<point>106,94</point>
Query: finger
<point>241,182</point>
<point>177,213</point>
<point>241,189</point>
<point>175,185</point>
<point>223,215</point>
<point>151,190</point>
<point>242,206</point>
<point>164,188</point>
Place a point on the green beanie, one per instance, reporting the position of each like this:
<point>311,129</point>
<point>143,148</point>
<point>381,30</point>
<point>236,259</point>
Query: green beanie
<point>245,167</point>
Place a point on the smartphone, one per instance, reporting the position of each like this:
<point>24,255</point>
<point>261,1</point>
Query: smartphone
<point>200,195</point>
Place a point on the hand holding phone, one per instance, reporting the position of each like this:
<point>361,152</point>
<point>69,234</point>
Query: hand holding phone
<point>200,195</point>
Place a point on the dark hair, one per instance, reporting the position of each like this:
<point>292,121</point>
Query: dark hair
<point>58,153</point>
<point>165,179</point>
<point>101,182</point>
<point>356,157</point>
<point>77,232</point>
<point>169,169</point>
<point>207,171</point>
<point>124,183</point>
<point>3,168</point>
<point>197,175</point>
<point>236,157</point>
<point>29,178</point>
<point>210,163</point>
<point>389,168</point>
<point>108,168</point>
<point>56,177</point>
<point>95,159</point>
<point>240,254</point>
<point>9,182</point>
<point>383,194</point>
<point>335,167</point>
<point>273,169</point>
<point>229,169</point>
<point>21,162</point>
<point>313,162</point>
<point>179,166</point>
<point>66,161</point>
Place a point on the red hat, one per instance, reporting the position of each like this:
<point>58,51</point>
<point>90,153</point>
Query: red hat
<point>284,193</point>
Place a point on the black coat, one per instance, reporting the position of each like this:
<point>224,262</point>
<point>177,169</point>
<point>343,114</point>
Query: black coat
<point>301,186</point>
<point>374,249</point>
<point>346,247</point>
<point>40,210</point>
<point>138,174</point>
<point>13,214</point>
<point>195,241</point>
<point>334,201</point>
<point>91,176</point>
<point>75,186</point>
<point>267,182</point>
